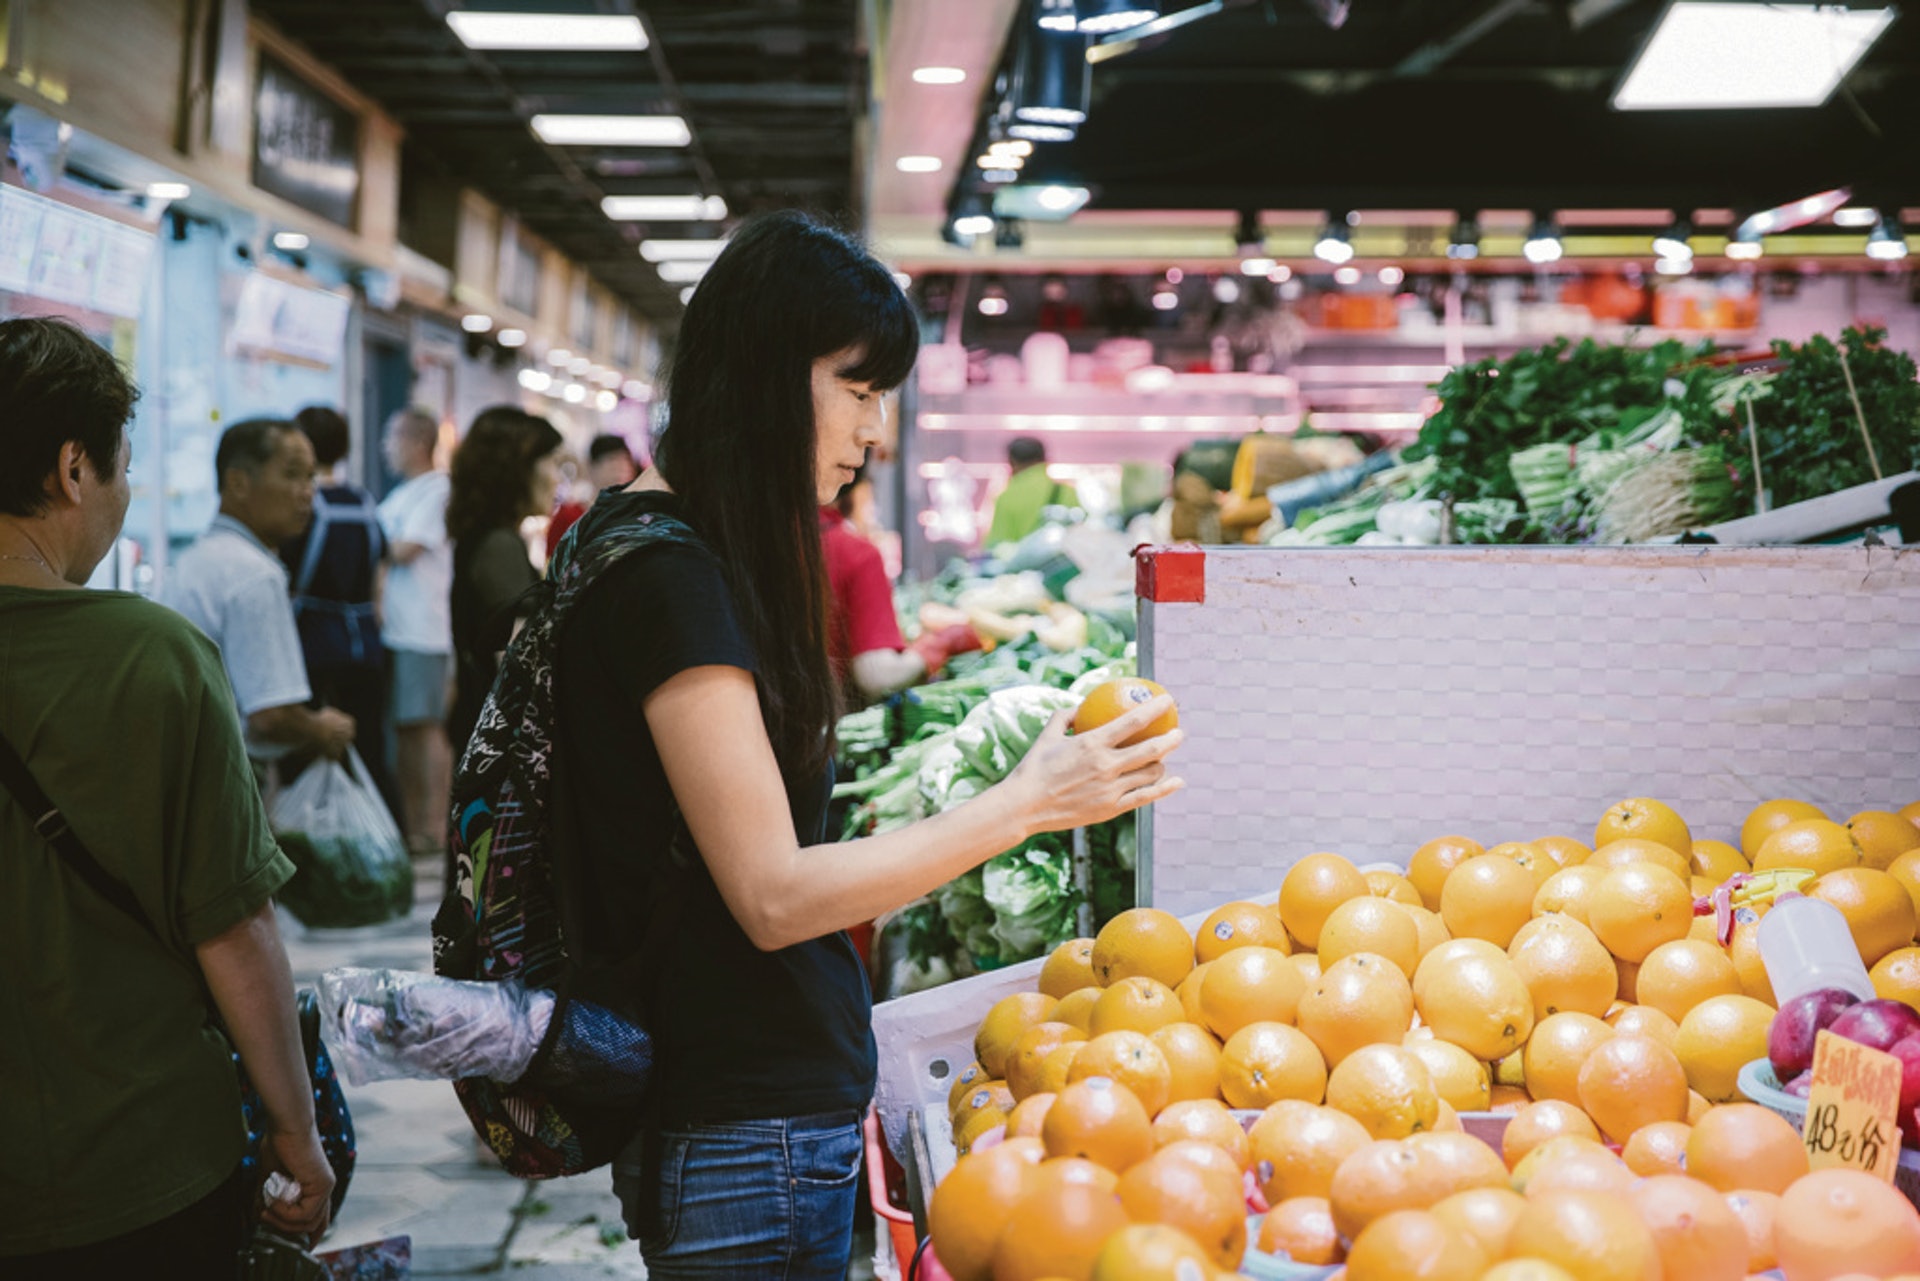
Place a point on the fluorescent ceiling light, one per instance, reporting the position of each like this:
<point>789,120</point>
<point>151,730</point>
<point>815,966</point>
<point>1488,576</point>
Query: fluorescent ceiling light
<point>606,402</point>
<point>612,131</point>
<point>1675,242</point>
<point>573,31</point>
<point>475,323</point>
<point>686,295</point>
<point>168,191</point>
<point>1673,266</point>
<point>511,337</point>
<point>1056,15</point>
<point>918,164</point>
<point>1034,202</point>
<point>1718,54</point>
<point>574,394</point>
<point>559,356</point>
<point>1886,243</point>
<point>1392,275</point>
<point>1093,17</point>
<point>939,75</point>
<point>664,208</point>
<point>579,366</point>
<point>1347,276</point>
<point>999,160</point>
<point>635,389</point>
<point>681,250</point>
<point>1855,216</point>
<point>290,241</point>
<point>1040,132</point>
<point>681,272</point>
<point>973,225</point>
<point>1257,266</point>
<point>1543,244</point>
<point>1335,245</point>
<point>535,379</point>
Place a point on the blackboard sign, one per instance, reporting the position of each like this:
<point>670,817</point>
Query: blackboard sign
<point>306,146</point>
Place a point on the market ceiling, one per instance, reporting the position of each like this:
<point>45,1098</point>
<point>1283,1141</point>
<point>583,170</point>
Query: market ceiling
<point>1422,105</point>
<point>769,90</point>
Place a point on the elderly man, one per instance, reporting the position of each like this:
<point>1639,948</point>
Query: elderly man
<point>417,625</point>
<point>231,585</point>
<point>122,1110</point>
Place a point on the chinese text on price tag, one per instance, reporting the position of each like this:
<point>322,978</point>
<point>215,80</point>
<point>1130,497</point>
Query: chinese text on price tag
<point>1853,1110</point>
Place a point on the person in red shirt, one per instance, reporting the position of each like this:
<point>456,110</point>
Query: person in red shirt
<point>870,657</point>
<point>609,465</point>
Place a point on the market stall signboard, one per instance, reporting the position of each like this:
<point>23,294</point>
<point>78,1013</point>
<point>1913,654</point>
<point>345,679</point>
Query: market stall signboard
<point>306,146</point>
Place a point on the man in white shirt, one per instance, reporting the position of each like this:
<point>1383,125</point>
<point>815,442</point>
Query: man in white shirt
<point>231,585</point>
<point>417,624</point>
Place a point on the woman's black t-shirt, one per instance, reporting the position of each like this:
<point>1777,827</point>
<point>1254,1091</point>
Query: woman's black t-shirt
<point>740,1033</point>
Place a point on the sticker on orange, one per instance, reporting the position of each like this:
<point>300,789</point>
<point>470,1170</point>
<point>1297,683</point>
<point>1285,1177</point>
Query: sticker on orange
<point>1853,1110</point>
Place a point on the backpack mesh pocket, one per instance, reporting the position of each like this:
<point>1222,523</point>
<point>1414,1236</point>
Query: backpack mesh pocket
<point>595,1054</point>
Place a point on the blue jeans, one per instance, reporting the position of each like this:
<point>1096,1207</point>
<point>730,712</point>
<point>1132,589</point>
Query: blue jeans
<point>767,1199</point>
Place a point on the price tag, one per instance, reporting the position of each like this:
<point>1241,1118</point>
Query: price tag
<point>1853,1110</point>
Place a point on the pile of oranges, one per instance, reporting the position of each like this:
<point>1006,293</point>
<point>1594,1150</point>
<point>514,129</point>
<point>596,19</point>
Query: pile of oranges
<point>1313,1057</point>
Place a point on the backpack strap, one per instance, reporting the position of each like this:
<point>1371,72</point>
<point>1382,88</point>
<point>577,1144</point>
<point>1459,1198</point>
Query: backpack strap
<point>316,546</point>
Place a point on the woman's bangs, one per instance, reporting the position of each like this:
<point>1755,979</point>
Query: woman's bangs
<point>885,330</point>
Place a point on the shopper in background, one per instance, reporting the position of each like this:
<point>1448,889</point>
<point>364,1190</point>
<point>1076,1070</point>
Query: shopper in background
<point>695,695</point>
<point>610,465</point>
<point>1029,492</point>
<point>505,471</point>
<point>335,571</point>
<point>416,626</point>
<point>231,585</point>
<point>121,1108</point>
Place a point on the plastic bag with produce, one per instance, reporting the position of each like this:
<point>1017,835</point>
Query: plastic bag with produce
<point>387,1024</point>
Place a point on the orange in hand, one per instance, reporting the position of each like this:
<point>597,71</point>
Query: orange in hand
<point>1110,700</point>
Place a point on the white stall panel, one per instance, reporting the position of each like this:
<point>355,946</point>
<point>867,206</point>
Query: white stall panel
<point>1367,700</point>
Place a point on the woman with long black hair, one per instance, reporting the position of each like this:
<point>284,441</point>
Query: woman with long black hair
<point>695,694</point>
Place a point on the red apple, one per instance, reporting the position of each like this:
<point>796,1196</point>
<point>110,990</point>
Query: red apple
<point>1791,1036</point>
<point>1877,1023</point>
<point>1907,1050</point>
<point>1801,1086</point>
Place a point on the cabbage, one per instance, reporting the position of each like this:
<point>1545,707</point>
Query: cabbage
<point>1033,898</point>
<point>999,732</point>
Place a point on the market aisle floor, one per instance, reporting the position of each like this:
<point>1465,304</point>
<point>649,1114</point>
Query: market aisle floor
<point>420,1172</point>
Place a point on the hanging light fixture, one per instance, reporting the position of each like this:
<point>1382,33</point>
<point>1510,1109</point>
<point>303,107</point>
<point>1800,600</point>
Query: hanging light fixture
<point>993,298</point>
<point>1055,15</point>
<point>1673,243</point>
<point>1051,80</point>
<point>1543,244</point>
<point>1886,242</point>
<point>1744,245</point>
<point>1336,241</point>
<point>1463,242</point>
<point>1095,17</point>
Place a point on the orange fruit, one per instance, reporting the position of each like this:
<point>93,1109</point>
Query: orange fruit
<point>1536,1123</point>
<point>1129,1059</point>
<point>1660,1148</point>
<point>1386,1089</point>
<point>1029,1115</point>
<point>1594,1236</point>
<point>1536,861</point>
<point>971,1127</point>
<point>1698,1235</point>
<point>1238,924</point>
<point>1644,818</point>
<point>1414,1244</point>
<point>1565,968</point>
<point>1896,976</point>
<point>1204,1121</point>
<point>1632,1081</point>
<point>1263,1063</point>
<point>1055,1067</point>
<point>1100,1120</point>
<point>1428,928</point>
<point>983,1097</point>
<point>1057,1171</point>
<point>1910,812</point>
<point>1373,925</point>
<point>1636,908</point>
<point>1643,1020</point>
<point>1488,897</point>
<point>1527,1270</point>
<point>972,1204</point>
<point>1205,1202</point>
<point>1057,1231</point>
<point>1768,817</point>
<point>1883,836</point>
<point>1697,1106</point>
<point>1463,1161</point>
<point>1112,699</point>
<point>1478,1002</point>
<point>1384,1176</point>
<point>1360,1000</point>
<point>1879,911</point>
<point>969,1076</point>
<point>1076,1007</point>
<point>1150,1252</point>
<point>1142,941</point>
<point>1138,1004</point>
<point>1297,1146</point>
<point>1030,1053</point>
<point>1449,1121</point>
<point>1301,1228</point>
<point>1718,1037</point>
<point>1188,990</point>
<point>1193,1061</point>
<point>1001,1029</point>
<point>1432,862</point>
<point>1906,870</point>
<point>1312,888</point>
<point>1487,1214</point>
<point>1634,849</point>
<point>1308,964</point>
<point>1458,1078</point>
<point>1210,1155</point>
<point>1817,844</point>
<point>1756,1212</point>
<point>1564,850</point>
<point>1068,968</point>
<point>1568,891</point>
<point>1507,1099</point>
<point>1569,1164</point>
<point>1743,949</point>
<point>1679,975</point>
<point>1556,1052</point>
<point>1446,953</point>
<point>1249,985</point>
<point>1717,860</point>
<point>1838,1221</point>
<point>1397,888</point>
<point>1742,1147</point>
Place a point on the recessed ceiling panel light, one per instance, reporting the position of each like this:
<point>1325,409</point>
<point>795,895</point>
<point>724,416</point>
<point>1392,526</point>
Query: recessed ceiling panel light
<point>918,164</point>
<point>475,323</point>
<point>168,191</point>
<point>681,272</point>
<point>681,250</point>
<point>547,30</point>
<point>664,208</point>
<point>1719,54</point>
<point>974,224</point>
<point>939,75</point>
<point>290,241</point>
<point>511,337</point>
<point>611,131</point>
